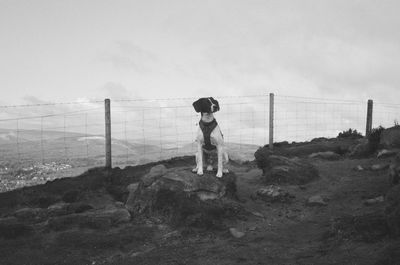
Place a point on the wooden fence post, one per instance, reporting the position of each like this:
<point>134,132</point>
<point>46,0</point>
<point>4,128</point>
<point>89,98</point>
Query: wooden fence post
<point>108,132</point>
<point>271,121</point>
<point>369,117</point>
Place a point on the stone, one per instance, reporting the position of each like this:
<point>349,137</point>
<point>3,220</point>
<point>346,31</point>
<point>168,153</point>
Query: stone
<point>258,214</point>
<point>272,193</point>
<point>132,187</point>
<point>236,233</point>
<point>57,209</point>
<point>376,200</point>
<point>182,197</point>
<point>386,153</point>
<point>328,155</point>
<point>28,214</point>
<point>378,167</point>
<point>359,168</point>
<point>316,200</point>
<point>154,173</point>
<point>283,170</point>
<point>206,187</point>
<point>390,137</point>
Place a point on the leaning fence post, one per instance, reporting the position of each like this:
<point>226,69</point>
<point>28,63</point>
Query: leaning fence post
<point>271,121</point>
<point>108,132</point>
<point>369,117</point>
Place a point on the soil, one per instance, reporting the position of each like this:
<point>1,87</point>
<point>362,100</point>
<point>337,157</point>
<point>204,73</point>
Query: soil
<point>343,230</point>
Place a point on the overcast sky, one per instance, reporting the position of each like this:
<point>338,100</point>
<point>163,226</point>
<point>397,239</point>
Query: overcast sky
<point>57,51</point>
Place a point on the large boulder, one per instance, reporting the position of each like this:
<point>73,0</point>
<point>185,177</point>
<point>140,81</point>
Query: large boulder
<point>182,197</point>
<point>339,146</point>
<point>282,170</point>
<point>390,138</point>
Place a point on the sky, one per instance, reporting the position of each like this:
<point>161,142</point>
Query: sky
<point>66,51</point>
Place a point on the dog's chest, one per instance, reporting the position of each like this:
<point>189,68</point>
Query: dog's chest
<point>215,138</point>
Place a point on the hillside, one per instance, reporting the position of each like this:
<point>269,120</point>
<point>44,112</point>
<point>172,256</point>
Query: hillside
<point>336,217</point>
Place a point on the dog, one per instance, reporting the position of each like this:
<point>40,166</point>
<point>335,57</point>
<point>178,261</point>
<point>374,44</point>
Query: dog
<point>209,137</point>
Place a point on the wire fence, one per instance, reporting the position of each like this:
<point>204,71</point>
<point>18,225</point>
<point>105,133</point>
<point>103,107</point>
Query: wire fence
<point>73,134</point>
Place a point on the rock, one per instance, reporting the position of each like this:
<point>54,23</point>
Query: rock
<point>132,187</point>
<point>359,168</point>
<point>390,137</point>
<point>184,198</point>
<point>100,219</point>
<point>386,153</point>
<point>378,167</point>
<point>328,155</point>
<point>60,208</point>
<point>272,193</point>
<point>283,170</point>
<point>374,200</point>
<point>181,180</point>
<point>154,173</point>
<point>28,214</point>
<point>392,210</point>
<point>236,233</point>
<point>172,234</point>
<point>257,214</point>
<point>316,200</point>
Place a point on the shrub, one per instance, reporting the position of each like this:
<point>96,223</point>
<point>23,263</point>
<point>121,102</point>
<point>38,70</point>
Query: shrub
<point>374,138</point>
<point>350,133</point>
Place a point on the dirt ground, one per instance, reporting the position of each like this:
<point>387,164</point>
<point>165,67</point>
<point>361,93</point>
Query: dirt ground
<point>344,231</point>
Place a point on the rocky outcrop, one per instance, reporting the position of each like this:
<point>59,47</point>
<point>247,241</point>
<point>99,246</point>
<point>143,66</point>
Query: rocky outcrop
<point>390,138</point>
<point>283,170</point>
<point>181,196</point>
<point>328,155</point>
<point>272,193</point>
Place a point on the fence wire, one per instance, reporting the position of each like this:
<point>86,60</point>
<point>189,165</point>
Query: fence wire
<point>72,134</point>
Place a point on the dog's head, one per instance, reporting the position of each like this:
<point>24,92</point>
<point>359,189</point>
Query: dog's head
<point>206,105</point>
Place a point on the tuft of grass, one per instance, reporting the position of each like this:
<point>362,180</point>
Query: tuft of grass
<point>350,133</point>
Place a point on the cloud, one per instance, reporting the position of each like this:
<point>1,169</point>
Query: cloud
<point>125,55</point>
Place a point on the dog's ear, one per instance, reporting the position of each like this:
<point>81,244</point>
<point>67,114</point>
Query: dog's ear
<point>215,102</point>
<point>197,105</point>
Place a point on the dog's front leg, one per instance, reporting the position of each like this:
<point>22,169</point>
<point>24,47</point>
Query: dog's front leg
<point>219,171</point>
<point>199,159</point>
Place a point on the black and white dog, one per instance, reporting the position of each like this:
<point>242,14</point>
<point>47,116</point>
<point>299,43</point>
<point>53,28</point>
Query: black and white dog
<point>209,137</point>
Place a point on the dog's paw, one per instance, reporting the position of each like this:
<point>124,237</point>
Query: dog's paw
<point>219,174</point>
<point>194,170</point>
<point>225,171</point>
<point>200,172</point>
<point>209,168</point>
